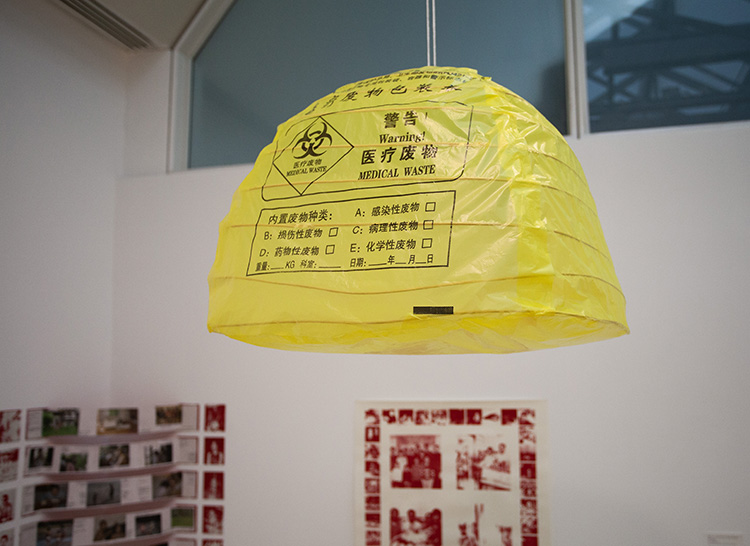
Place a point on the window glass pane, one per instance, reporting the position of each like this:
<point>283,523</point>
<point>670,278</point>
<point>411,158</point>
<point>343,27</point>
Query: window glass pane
<point>666,62</point>
<point>268,60</point>
<point>520,45</point>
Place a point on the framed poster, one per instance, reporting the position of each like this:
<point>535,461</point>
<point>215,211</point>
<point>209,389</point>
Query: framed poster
<point>451,474</point>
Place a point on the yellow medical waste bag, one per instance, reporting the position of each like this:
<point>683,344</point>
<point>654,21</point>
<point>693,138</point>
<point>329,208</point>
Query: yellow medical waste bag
<point>428,211</point>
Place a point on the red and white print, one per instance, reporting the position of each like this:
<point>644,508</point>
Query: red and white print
<point>451,474</point>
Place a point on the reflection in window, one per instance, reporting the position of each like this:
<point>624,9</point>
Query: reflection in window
<point>666,62</point>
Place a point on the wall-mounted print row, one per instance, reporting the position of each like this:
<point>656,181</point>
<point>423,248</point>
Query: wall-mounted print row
<point>155,524</point>
<point>439,473</point>
<point>51,422</point>
<point>110,456</point>
<point>113,492</point>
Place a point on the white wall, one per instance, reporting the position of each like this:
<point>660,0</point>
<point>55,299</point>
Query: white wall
<point>649,432</point>
<point>62,104</point>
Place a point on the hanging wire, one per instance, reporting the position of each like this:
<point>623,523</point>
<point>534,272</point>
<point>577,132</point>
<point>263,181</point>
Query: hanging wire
<point>430,22</point>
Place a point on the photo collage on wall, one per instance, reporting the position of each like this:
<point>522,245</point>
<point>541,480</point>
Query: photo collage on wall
<point>458,474</point>
<point>147,476</point>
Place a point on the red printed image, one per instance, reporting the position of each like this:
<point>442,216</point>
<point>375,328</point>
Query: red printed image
<point>10,425</point>
<point>415,461</point>
<point>213,520</point>
<point>416,529</point>
<point>214,450</point>
<point>215,418</point>
<point>527,437</point>
<point>482,462</point>
<point>529,517</point>
<point>213,485</point>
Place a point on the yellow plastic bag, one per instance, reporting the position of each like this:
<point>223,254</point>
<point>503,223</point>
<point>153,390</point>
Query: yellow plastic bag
<point>427,211</point>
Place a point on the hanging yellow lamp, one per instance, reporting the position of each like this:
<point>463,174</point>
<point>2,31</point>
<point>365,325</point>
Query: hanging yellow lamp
<point>428,211</point>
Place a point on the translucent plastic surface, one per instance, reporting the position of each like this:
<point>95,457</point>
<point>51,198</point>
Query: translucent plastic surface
<point>422,212</point>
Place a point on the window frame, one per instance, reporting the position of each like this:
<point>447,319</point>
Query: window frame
<point>213,11</point>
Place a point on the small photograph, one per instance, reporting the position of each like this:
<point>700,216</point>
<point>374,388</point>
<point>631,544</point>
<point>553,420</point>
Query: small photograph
<point>526,416</point>
<point>8,465</point>
<point>115,455</point>
<point>372,537</point>
<point>60,422</point>
<point>40,458</point>
<point>372,417</point>
<point>527,437</point>
<point>213,485</point>
<point>372,519</point>
<point>7,502</point>
<point>169,415</point>
<point>73,461</point>
<point>48,496</point>
<point>372,486</point>
<point>372,451</point>
<point>372,434</point>
<point>389,416</point>
<point>509,416</point>
<point>529,521</point>
<point>167,485</point>
<point>10,426</point>
<point>528,471</point>
<point>148,525</point>
<point>183,517</point>
<point>492,416</point>
<point>405,416</point>
<point>187,450</point>
<point>372,468</point>
<point>482,462</point>
<point>101,493</point>
<point>528,488</point>
<point>440,416</point>
<point>117,421</point>
<point>213,519</point>
<point>416,528</point>
<point>415,461</point>
<point>157,454</point>
<point>215,418</point>
<point>54,532</point>
<point>372,502</point>
<point>423,417</point>
<point>473,416</point>
<point>214,449</point>
<point>110,527</point>
<point>6,537</point>
<point>457,416</point>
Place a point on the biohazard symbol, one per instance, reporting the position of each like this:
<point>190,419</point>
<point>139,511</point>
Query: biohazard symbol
<point>305,153</point>
<point>315,138</point>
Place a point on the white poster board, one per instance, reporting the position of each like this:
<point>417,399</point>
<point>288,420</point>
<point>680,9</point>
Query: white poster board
<point>451,473</point>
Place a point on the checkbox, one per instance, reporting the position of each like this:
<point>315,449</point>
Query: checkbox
<point>427,243</point>
<point>428,224</point>
<point>330,249</point>
<point>333,232</point>
<point>430,206</point>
